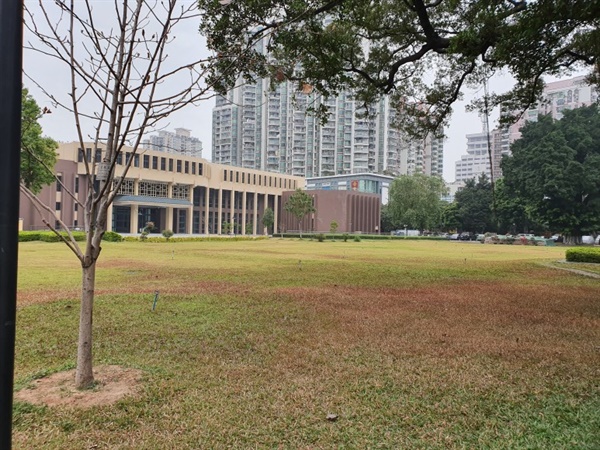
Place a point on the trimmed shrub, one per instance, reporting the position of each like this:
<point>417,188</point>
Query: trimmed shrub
<point>26,236</point>
<point>587,255</point>
<point>357,238</point>
<point>320,237</point>
<point>112,236</point>
<point>168,234</point>
<point>345,237</point>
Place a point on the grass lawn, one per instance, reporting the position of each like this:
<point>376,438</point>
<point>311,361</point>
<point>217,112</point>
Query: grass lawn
<point>412,344</point>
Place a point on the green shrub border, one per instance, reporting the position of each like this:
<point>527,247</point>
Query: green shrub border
<point>346,236</point>
<point>50,236</point>
<point>586,255</point>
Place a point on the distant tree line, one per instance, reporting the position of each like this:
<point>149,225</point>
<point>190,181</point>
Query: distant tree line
<point>550,184</point>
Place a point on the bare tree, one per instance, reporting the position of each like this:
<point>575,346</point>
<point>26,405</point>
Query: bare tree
<point>122,83</point>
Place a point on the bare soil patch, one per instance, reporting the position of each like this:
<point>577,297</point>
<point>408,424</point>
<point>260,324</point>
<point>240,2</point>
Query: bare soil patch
<point>112,384</point>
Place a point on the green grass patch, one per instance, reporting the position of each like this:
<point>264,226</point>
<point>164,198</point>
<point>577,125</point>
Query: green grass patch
<point>413,344</point>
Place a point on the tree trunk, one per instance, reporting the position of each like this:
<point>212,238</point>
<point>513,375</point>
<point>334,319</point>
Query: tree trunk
<point>572,239</point>
<point>300,228</point>
<point>84,376</point>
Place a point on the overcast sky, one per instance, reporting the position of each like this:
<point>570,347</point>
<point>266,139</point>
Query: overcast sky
<point>59,124</point>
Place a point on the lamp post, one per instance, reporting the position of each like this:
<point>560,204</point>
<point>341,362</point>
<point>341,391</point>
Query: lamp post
<point>11,36</point>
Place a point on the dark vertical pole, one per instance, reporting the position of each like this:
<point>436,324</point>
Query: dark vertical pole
<point>11,39</point>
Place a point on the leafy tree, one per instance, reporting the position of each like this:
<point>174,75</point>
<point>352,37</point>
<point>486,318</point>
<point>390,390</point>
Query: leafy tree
<point>554,171</point>
<point>38,153</point>
<point>299,204</point>
<point>249,227</point>
<point>387,221</point>
<point>391,47</point>
<point>268,219</point>
<point>513,214</point>
<point>226,227</point>
<point>414,201</point>
<point>450,219</point>
<point>333,226</point>
<point>473,205</point>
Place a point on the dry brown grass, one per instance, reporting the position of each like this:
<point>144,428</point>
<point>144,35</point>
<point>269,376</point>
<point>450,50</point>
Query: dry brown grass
<point>413,345</point>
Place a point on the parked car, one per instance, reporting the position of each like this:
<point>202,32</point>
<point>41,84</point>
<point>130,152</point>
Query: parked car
<point>589,240</point>
<point>454,237</point>
<point>465,236</point>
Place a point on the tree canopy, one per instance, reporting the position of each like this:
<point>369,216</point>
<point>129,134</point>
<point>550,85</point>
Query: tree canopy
<point>299,204</point>
<point>554,171</point>
<point>415,201</point>
<point>420,53</point>
<point>38,153</point>
<point>473,205</point>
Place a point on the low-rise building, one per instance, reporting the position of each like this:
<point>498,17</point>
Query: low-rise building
<point>181,193</point>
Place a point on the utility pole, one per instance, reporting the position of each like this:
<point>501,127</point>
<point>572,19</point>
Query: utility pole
<point>11,66</point>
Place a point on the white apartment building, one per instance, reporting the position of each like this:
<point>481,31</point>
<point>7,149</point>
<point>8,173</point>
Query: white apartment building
<point>557,96</point>
<point>180,142</point>
<point>259,126</point>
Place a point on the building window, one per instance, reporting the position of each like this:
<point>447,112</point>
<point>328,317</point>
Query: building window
<point>127,187</point>
<point>120,158</point>
<point>88,154</point>
<point>186,167</point>
<point>153,189</point>
<point>155,162</point>
<point>200,168</point>
<point>254,179</point>
<point>98,155</point>
<point>170,164</point>
<point>146,161</point>
<point>76,185</point>
<point>127,157</point>
<point>243,177</point>
<point>75,207</point>
<point>58,205</point>
<point>237,177</point>
<point>181,191</point>
<point>163,163</point>
<point>59,183</point>
<point>178,166</point>
<point>136,160</point>
<point>193,168</point>
<point>80,155</point>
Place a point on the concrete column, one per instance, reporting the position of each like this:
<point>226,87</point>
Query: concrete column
<point>206,200</point>
<point>232,210</point>
<point>220,211</point>
<point>190,219</point>
<point>275,213</point>
<point>243,212</point>
<point>170,190</point>
<point>169,219</point>
<point>265,206</point>
<point>136,186</point>
<point>133,222</point>
<point>109,217</point>
<point>255,214</point>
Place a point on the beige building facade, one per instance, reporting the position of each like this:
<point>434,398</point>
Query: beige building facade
<point>185,194</point>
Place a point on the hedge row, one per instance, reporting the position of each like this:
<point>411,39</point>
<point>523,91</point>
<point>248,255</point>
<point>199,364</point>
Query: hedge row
<point>340,236</point>
<point>49,236</point>
<point>587,255</point>
<point>193,239</point>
